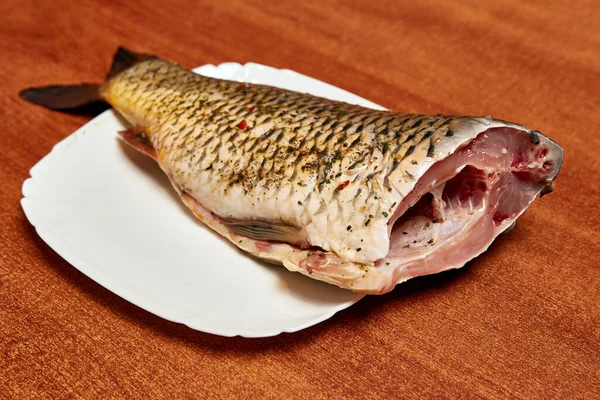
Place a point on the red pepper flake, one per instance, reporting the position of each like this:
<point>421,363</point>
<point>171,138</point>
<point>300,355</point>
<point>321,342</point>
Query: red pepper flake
<point>242,125</point>
<point>252,108</point>
<point>242,85</point>
<point>343,185</point>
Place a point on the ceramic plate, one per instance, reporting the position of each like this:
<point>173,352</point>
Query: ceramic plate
<point>112,214</point>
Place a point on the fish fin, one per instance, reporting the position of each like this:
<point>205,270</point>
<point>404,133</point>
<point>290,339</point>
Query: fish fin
<point>137,138</point>
<point>66,97</point>
<point>77,97</point>
<point>268,231</point>
<point>124,59</point>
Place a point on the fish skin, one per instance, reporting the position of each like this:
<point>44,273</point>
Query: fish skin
<point>255,152</point>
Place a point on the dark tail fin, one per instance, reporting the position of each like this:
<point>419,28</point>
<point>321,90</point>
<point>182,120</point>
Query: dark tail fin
<point>67,97</point>
<point>75,97</point>
<point>124,59</point>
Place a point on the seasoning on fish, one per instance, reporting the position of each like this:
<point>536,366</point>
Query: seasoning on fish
<point>359,198</point>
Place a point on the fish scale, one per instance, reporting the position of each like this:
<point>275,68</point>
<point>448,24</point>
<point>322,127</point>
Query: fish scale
<point>311,145</point>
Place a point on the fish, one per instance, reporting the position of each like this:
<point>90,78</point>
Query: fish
<point>359,198</point>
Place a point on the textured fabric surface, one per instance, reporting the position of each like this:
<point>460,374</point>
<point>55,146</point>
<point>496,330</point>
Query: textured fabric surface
<point>521,321</point>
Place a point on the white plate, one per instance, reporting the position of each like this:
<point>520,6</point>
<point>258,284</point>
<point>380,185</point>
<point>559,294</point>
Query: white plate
<point>112,214</point>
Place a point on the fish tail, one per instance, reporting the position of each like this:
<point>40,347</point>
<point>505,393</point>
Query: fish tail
<point>124,59</point>
<point>63,97</point>
<point>76,97</point>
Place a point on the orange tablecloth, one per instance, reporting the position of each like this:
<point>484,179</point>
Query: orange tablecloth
<point>521,321</point>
